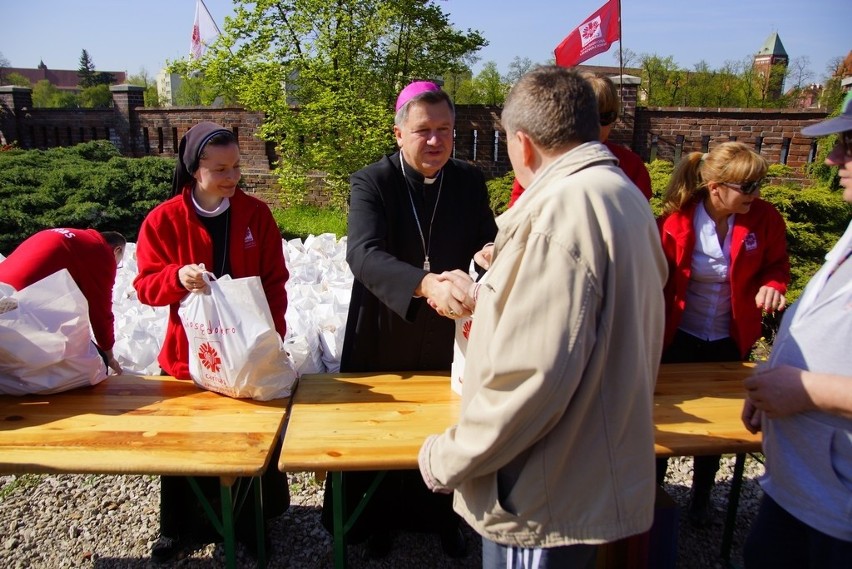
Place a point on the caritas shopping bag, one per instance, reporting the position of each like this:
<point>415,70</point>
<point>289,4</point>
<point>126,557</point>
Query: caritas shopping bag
<point>45,338</point>
<point>233,346</point>
<point>463,326</point>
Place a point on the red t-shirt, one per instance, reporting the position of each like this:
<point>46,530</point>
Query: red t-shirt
<point>88,258</point>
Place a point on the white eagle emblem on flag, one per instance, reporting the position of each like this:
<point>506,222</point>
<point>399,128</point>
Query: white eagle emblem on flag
<point>591,31</point>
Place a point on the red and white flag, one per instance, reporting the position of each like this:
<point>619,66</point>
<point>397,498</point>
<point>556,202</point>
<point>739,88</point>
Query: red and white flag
<point>204,30</point>
<point>595,35</point>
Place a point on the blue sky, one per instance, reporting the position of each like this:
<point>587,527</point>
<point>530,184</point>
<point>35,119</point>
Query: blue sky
<point>121,35</point>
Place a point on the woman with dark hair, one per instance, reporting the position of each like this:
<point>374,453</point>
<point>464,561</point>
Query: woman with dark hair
<point>727,257</point>
<point>208,225</point>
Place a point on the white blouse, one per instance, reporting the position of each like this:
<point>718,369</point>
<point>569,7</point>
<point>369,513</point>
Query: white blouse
<point>708,295</point>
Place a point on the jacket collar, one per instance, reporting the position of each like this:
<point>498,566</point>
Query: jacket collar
<point>579,157</point>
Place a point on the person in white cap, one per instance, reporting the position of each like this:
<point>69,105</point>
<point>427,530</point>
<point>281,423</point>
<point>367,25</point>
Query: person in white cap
<point>802,401</point>
<point>412,215</point>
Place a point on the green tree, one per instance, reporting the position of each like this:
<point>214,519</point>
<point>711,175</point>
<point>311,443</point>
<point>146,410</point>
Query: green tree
<point>832,94</point>
<point>518,67</point>
<point>86,185</point>
<point>47,95</point>
<point>492,88</point>
<point>16,79</point>
<point>196,89</point>
<point>86,70</point>
<point>657,82</point>
<point>95,97</point>
<point>326,76</point>
<point>727,85</point>
<point>454,80</point>
<point>142,79</point>
<point>4,63</point>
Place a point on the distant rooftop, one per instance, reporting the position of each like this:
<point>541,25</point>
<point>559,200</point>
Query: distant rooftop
<point>773,46</point>
<point>64,79</point>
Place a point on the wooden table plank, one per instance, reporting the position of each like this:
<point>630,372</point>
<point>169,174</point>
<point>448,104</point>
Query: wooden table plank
<point>138,425</point>
<point>697,409</point>
<point>342,422</point>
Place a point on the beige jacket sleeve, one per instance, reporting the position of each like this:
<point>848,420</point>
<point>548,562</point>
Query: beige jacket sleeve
<point>534,329</point>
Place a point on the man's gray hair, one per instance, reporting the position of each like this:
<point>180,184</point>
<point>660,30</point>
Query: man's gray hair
<point>554,106</point>
<point>430,97</point>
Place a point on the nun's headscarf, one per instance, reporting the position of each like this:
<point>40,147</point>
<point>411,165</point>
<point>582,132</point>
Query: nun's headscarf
<point>190,150</point>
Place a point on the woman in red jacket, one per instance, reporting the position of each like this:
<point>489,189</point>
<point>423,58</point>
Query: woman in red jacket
<point>727,256</point>
<point>209,225</point>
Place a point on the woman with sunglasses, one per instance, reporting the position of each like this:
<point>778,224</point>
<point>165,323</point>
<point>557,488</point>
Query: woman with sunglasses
<point>727,256</point>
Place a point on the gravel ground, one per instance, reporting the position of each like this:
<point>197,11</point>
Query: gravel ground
<point>54,521</point>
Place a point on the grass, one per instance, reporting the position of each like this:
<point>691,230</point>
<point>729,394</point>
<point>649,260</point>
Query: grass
<point>303,220</point>
<point>20,481</point>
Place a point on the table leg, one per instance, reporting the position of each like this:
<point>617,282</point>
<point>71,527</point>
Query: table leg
<point>228,525</point>
<point>733,505</point>
<point>337,510</point>
<point>260,528</point>
<point>341,524</point>
<point>230,507</point>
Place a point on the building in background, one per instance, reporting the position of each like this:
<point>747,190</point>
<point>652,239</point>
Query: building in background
<point>63,79</point>
<point>168,86</point>
<point>770,65</point>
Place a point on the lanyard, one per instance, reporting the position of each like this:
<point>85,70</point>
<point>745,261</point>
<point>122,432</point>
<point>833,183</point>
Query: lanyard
<point>426,245</point>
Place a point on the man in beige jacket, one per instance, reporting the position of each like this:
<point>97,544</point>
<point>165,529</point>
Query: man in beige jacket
<point>554,450</point>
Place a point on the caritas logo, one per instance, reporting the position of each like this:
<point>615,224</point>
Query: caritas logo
<point>466,329</point>
<point>209,357</point>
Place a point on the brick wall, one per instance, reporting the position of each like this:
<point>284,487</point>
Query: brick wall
<point>664,133</point>
<point>480,140</point>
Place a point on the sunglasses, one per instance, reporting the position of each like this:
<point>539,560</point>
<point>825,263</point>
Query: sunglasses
<point>845,140</point>
<point>607,119</point>
<point>747,188</point>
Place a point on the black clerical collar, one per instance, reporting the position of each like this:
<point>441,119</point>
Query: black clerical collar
<point>415,176</point>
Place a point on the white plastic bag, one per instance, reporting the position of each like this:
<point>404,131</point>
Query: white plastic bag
<point>45,338</point>
<point>463,328</point>
<point>233,346</point>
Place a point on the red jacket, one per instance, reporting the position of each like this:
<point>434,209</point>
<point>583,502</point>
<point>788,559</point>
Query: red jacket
<point>633,166</point>
<point>89,260</point>
<point>628,161</point>
<point>758,258</point>
<point>172,236</point>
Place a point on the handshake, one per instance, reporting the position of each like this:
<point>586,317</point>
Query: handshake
<point>453,294</point>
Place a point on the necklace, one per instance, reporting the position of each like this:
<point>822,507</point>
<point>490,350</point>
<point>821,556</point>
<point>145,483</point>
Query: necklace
<point>427,245</point>
<point>225,244</point>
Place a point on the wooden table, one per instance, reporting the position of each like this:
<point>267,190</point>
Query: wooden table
<point>344,422</point>
<point>146,425</point>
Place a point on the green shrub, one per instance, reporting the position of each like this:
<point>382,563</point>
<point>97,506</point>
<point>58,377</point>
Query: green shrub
<point>779,171</point>
<point>89,185</point>
<point>303,220</point>
<point>661,172</point>
<point>500,191</point>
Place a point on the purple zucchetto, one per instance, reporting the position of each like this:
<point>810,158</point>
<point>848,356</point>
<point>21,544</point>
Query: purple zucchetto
<point>412,90</point>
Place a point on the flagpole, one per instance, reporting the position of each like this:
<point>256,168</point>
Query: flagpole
<point>218,31</point>
<point>620,59</point>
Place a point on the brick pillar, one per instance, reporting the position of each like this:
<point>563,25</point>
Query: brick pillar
<point>126,98</point>
<point>14,103</point>
<point>628,89</point>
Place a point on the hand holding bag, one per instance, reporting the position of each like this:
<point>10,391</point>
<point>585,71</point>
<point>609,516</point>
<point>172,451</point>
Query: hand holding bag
<point>233,346</point>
